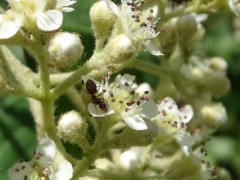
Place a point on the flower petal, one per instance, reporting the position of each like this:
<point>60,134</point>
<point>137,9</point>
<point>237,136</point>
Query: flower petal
<point>21,170</point>
<point>112,6</point>
<point>135,122</point>
<point>67,9</point>
<point>50,20</point>
<point>65,2</point>
<point>186,113</point>
<point>184,138</point>
<point>126,82</point>
<point>9,26</point>
<point>64,171</point>
<point>47,149</point>
<point>186,141</point>
<point>152,48</point>
<point>169,105</point>
<point>149,109</point>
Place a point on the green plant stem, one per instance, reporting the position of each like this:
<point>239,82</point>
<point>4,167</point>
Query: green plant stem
<point>76,99</point>
<point>57,78</point>
<point>47,104</point>
<point>159,70</point>
<point>90,156</point>
<point>73,79</point>
<point>25,93</point>
<point>149,67</point>
<point>44,73</point>
<point>49,128</point>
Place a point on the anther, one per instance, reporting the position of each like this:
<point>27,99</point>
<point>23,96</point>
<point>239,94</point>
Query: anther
<point>143,24</point>
<point>149,18</point>
<point>132,93</point>
<point>126,84</point>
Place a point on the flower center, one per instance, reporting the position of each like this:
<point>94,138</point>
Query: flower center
<point>140,23</point>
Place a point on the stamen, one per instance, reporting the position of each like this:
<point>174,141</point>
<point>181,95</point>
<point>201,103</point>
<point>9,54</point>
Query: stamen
<point>132,93</point>
<point>143,24</point>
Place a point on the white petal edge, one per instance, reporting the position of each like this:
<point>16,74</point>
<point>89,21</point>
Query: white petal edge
<point>152,48</point>
<point>184,138</point>
<point>47,147</point>
<point>186,141</point>
<point>50,20</point>
<point>64,171</point>
<point>186,113</point>
<point>9,28</point>
<point>113,7</point>
<point>65,3</point>
<point>135,122</point>
<point>67,9</point>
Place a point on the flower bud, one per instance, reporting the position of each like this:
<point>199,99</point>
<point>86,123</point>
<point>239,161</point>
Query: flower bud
<point>168,39</point>
<point>186,27</point>
<point>102,18</point>
<point>72,127</point>
<point>65,49</point>
<point>217,63</point>
<point>213,114</point>
<point>121,48</point>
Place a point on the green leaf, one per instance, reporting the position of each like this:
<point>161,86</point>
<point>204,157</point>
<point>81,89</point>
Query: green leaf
<point>17,136</point>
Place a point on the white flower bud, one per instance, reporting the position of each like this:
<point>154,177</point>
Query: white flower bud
<point>102,18</point>
<point>214,113</point>
<point>121,48</point>
<point>218,63</point>
<point>186,27</point>
<point>72,127</point>
<point>65,49</point>
<point>169,39</point>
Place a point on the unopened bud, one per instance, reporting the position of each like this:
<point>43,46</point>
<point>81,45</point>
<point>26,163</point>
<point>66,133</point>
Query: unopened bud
<point>72,127</point>
<point>186,27</point>
<point>214,114</point>
<point>121,48</point>
<point>65,49</point>
<point>102,18</point>
<point>168,39</point>
<point>218,64</point>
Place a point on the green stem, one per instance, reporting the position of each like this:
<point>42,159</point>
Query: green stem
<point>43,70</point>
<point>89,157</point>
<point>25,93</point>
<point>150,68</point>
<point>50,129</point>
<point>47,104</point>
<point>76,99</point>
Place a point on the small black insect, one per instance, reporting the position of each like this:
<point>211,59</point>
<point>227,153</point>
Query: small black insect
<point>92,89</point>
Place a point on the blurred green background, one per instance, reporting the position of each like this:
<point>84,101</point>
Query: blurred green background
<point>17,134</point>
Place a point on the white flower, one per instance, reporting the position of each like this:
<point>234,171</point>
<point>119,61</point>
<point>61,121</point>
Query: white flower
<point>137,24</point>
<point>172,122</point>
<point>119,97</point>
<point>43,165</point>
<point>27,14</point>
<point>206,171</point>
